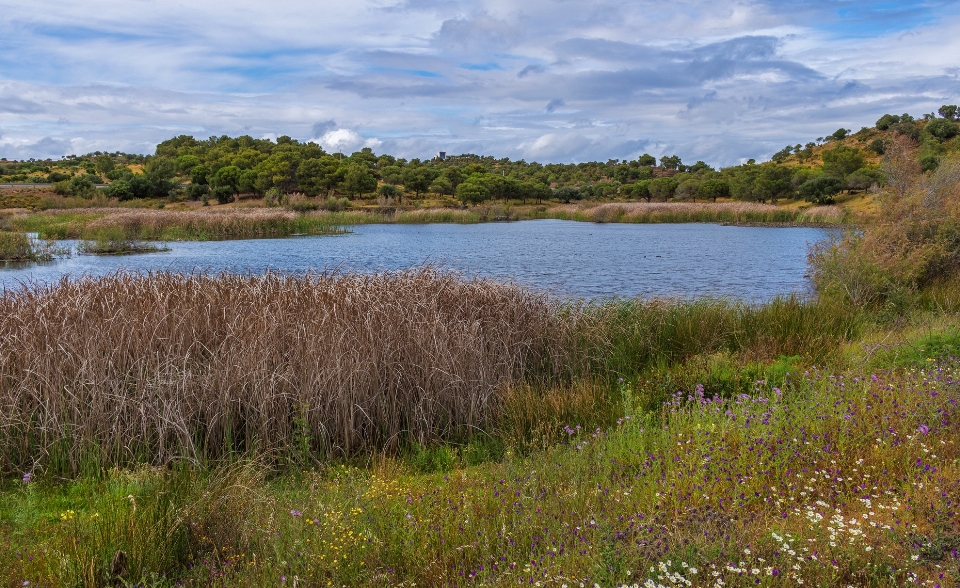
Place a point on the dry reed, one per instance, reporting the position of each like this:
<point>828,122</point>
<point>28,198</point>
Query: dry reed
<point>671,212</point>
<point>219,224</point>
<point>132,367</point>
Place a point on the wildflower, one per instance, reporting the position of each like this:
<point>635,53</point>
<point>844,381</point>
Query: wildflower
<point>26,480</point>
<point>296,513</point>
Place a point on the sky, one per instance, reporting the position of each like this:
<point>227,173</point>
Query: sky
<point>558,81</point>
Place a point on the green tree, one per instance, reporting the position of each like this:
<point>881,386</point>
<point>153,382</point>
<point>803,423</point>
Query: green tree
<point>104,164</point>
<point>886,121</point>
<point>647,160</point>
<point>943,128</point>
<point>713,189</point>
<point>226,177</point>
<point>948,111</point>
<point>417,178</point>
<point>842,161</point>
<point>199,174</point>
<point>472,192</point>
<point>441,185</point>
<point>357,179</point>
<point>663,188</point>
<point>670,162</point>
<point>821,190</point>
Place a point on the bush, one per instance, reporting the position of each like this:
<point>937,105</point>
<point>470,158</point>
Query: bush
<point>821,190</point>
<point>336,204</point>
<point>914,242</point>
<point>197,191</point>
<point>223,194</point>
<point>943,129</point>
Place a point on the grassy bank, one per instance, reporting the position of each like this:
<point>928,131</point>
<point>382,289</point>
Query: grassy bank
<point>154,367</point>
<point>18,247</point>
<point>174,225</point>
<point>822,478</point>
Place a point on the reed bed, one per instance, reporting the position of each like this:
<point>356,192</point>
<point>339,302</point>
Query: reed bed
<point>690,212</point>
<point>18,247</point>
<point>212,225</point>
<point>148,368</point>
<point>174,225</point>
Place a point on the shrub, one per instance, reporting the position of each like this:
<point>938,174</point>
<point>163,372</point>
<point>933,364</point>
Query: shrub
<point>820,190</point>
<point>223,194</point>
<point>943,128</point>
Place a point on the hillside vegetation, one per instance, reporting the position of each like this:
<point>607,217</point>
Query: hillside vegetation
<point>423,429</point>
<point>303,176</point>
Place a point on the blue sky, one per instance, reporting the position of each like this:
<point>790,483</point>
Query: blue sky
<point>546,80</point>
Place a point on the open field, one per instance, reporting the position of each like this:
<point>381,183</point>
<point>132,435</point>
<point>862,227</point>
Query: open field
<point>606,445</point>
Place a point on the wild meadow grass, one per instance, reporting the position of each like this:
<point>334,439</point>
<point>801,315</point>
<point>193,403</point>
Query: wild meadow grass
<point>19,247</point>
<point>692,212</point>
<point>160,366</point>
<point>419,428</point>
<point>830,479</point>
<point>176,225</point>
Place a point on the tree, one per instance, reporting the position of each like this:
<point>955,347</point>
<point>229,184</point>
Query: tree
<point>640,190</point>
<point>471,192</point>
<point>943,128</point>
<point>534,190</point>
<point>647,160</point>
<point>389,191</point>
<point>886,121</point>
<point>877,146</point>
<point>104,164</point>
<point>713,189</point>
<point>567,193</point>
<point>670,162</point>
<point>357,179</point>
<point>820,190</point>
<point>441,186</point>
<point>228,177</point>
<point>948,111</point>
<point>185,163</point>
<point>842,161</point>
<point>314,176</point>
<point>687,190</point>
<point>663,188</point>
<point>840,134</point>
<point>417,178</point>
<point>198,174</point>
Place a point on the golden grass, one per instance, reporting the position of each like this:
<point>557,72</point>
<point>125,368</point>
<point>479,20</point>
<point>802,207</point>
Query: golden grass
<point>670,212</point>
<point>132,368</point>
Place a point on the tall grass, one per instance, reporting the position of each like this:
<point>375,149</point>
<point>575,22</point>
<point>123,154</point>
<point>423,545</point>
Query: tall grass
<point>130,368</point>
<point>684,212</point>
<point>18,247</point>
<point>170,225</point>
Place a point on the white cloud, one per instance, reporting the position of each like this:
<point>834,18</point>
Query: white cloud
<point>557,80</point>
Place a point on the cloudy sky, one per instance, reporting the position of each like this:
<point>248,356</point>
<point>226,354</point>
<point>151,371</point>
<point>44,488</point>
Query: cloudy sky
<point>545,80</point>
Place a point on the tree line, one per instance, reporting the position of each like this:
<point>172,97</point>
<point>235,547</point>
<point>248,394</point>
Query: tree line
<point>225,167</point>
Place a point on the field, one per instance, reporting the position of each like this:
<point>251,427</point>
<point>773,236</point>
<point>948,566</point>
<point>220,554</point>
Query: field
<point>419,428</point>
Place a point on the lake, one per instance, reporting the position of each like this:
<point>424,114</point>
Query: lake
<point>566,258</point>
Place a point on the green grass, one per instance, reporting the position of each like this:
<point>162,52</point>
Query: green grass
<point>18,247</point>
<point>720,486</point>
<point>67,225</point>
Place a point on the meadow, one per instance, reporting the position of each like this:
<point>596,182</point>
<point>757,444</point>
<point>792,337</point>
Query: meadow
<point>421,428</point>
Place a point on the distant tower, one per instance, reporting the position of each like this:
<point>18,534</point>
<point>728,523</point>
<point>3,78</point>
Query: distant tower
<point>442,155</point>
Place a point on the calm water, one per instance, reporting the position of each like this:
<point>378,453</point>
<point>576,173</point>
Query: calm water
<point>567,258</point>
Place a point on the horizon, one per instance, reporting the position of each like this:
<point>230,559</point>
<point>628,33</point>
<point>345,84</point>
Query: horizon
<point>721,82</point>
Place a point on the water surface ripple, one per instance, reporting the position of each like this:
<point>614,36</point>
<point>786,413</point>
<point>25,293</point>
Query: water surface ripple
<point>566,258</point>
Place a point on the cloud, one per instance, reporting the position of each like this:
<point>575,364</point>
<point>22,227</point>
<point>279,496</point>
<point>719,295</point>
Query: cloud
<point>346,141</point>
<point>531,69</point>
<point>554,104</point>
<point>718,80</point>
